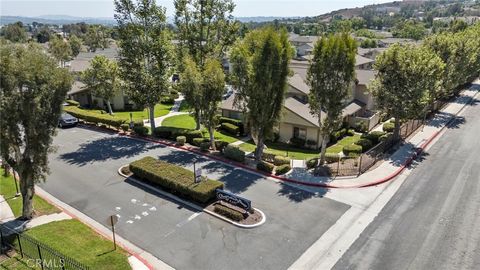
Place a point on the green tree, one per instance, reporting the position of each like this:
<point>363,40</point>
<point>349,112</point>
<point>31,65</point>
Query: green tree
<point>102,79</point>
<point>75,45</point>
<point>14,32</point>
<point>60,50</point>
<point>146,51</point>
<point>401,83</point>
<point>330,77</point>
<point>205,30</point>
<point>43,34</point>
<point>409,29</point>
<point>96,37</point>
<point>33,89</point>
<point>212,89</point>
<point>260,71</point>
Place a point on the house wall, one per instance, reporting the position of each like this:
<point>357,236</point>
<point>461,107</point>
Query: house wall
<point>232,114</point>
<point>291,120</point>
<point>364,96</point>
<point>81,98</point>
<point>118,102</point>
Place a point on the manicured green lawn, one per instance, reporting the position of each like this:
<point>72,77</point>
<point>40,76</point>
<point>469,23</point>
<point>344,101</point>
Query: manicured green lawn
<point>77,240</point>
<point>15,263</point>
<point>223,136</point>
<point>347,140</point>
<point>7,190</point>
<point>283,149</point>
<point>179,121</point>
<point>160,110</point>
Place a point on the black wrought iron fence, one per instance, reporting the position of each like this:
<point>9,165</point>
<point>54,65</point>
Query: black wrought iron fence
<point>38,254</point>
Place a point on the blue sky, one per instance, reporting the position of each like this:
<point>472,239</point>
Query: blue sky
<point>245,8</point>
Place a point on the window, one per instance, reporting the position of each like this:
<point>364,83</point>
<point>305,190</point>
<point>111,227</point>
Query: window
<point>299,133</point>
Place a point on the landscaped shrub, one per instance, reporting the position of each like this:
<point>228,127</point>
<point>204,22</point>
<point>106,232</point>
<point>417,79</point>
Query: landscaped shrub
<point>198,141</point>
<point>173,133</point>
<point>233,152</point>
<point>311,163</point>
<point>373,136</point>
<point>297,142</point>
<point>385,137</point>
<point>265,166</point>
<point>311,143</point>
<point>94,118</point>
<point>220,145</point>
<point>337,135</point>
<point>138,124</point>
<point>282,169</point>
<point>72,102</point>
<point>167,100</point>
<point>268,156</point>
<point>190,134</point>
<point>352,150</point>
<point>351,132</point>
<point>230,128</point>
<point>204,146</point>
<point>388,127</point>
<point>360,127</point>
<point>365,144</point>
<point>232,121</point>
<point>162,132</point>
<point>228,212</point>
<point>175,178</point>
<point>142,131</point>
<point>181,140</point>
<point>124,127</point>
<point>281,160</point>
<point>331,157</point>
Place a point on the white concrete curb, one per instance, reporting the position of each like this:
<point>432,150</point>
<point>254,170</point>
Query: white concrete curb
<point>194,206</point>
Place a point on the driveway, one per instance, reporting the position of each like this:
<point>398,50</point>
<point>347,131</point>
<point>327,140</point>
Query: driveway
<point>84,175</point>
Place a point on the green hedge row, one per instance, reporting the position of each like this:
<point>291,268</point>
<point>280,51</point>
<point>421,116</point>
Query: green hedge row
<point>175,179</point>
<point>352,150</point>
<point>172,133</point>
<point>232,121</point>
<point>233,152</point>
<point>94,117</point>
<point>228,212</point>
<point>282,169</point>
<point>230,128</point>
<point>281,160</point>
<point>265,166</point>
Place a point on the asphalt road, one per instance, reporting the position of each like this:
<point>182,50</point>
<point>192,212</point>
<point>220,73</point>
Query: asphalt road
<point>84,175</point>
<point>433,221</point>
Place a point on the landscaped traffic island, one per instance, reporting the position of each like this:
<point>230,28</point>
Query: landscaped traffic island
<point>205,193</point>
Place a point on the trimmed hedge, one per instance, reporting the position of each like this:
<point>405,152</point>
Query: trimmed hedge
<point>311,163</point>
<point>282,169</point>
<point>232,121</point>
<point>205,145</point>
<point>365,144</point>
<point>72,102</point>
<point>268,156</point>
<point>142,131</point>
<point>336,135</point>
<point>94,117</point>
<point>265,166</point>
<point>388,127</point>
<point>331,158</point>
<point>198,141</point>
<point>351,132</point>
<point>298,142</point>
<point>230,128</point>
<point>385,137</point>
<point>352,150</point>
<point>373,136</point>
<point>181,140</point>
<point>175,178</point>
<point>220,145</point>
<point>228,212</point>
<point>172,133</point>
<point>281,160</point>
<point>233,152</point>
<point>124,127</point>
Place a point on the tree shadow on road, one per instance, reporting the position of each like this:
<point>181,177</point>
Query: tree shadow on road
<point>443,118</point>
<point>298,195</point>
<point>107,148</point>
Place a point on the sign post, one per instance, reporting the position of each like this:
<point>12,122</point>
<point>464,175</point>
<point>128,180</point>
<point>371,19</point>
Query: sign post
<point>112,220</point>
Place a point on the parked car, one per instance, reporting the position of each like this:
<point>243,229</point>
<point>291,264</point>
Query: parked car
<point>67,120</point>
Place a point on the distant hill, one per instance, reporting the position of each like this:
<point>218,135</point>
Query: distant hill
<point>65,19</point>
<point>56,19</point>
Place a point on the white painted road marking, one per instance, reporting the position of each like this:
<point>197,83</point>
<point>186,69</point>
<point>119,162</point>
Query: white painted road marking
<point>190,218</point>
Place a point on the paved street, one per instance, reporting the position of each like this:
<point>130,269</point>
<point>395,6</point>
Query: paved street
<point>432,222</point>
<point>84,175</point>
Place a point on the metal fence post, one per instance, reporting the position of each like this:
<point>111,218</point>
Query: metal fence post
<point>360,165</point>
<point>40,256</point>
<point>338,166</point>
<point>1,241</point>
<point>20,245</point>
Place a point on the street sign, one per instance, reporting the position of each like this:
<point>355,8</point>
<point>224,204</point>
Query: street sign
<point>198,175</point>
<point>234,199</point>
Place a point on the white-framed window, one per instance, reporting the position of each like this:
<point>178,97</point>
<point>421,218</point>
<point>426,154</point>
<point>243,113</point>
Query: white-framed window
<point>300,133</point>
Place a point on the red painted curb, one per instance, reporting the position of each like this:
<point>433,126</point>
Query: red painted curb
<point>145,262</point>
<point>294,181</point>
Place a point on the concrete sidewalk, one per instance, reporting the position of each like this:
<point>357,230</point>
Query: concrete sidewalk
<point>404,155</point>
<point>174,111</point>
